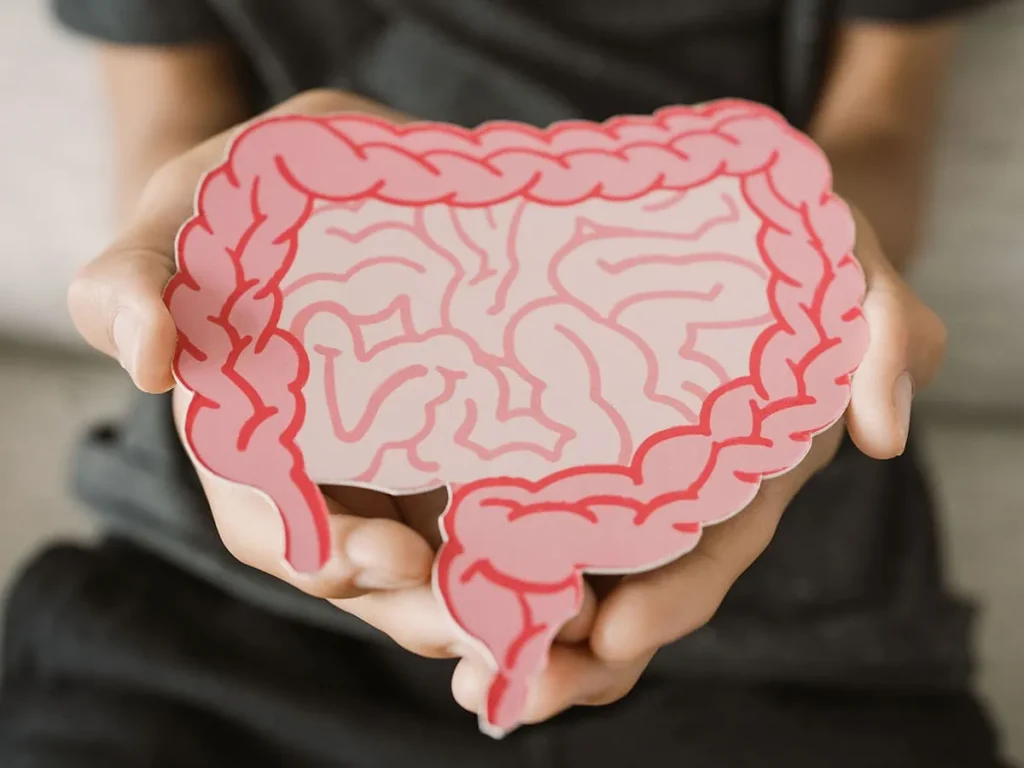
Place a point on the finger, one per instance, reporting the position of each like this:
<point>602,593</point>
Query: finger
<point>907,347</point>
<point>416,620</point>
<point>367,552</point>
<point>116,301</point>
<point>413,618</point>
<point>647,611</point>
<point>577,629</point>
<point>882,389</point>
<point>572,677</point>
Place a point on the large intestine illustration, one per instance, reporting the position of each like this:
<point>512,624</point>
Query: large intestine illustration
<point>599,338</point>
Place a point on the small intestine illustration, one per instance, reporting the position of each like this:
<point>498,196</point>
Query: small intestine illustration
<point>600,338</point>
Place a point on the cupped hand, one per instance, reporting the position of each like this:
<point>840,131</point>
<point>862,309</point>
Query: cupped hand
<point>641,613</point>
<point>382,548</point>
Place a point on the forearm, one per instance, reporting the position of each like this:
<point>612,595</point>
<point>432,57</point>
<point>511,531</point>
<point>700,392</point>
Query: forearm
<point>886,177</point>
<point>167,101</point>
<point>163,102</point>
<point>875,122</point>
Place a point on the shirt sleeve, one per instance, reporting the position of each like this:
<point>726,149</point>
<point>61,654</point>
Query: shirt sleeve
<point>141,22</point>
<point>905,10</point>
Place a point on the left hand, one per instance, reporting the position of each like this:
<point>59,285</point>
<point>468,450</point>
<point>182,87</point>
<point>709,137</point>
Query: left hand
<point>644,612</point>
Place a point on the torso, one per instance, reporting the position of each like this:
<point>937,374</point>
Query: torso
<point>466,61</point>
<point>850,588</point>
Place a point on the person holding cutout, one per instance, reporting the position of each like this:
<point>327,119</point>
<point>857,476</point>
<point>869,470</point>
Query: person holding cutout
<point>813,628</point>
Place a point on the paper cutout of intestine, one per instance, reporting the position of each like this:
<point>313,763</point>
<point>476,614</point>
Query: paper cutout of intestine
<point>599,337</point>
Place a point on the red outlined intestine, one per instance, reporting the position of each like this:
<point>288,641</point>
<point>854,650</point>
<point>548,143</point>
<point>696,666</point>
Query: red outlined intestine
<point>452,344</point>
<point>599,337</point>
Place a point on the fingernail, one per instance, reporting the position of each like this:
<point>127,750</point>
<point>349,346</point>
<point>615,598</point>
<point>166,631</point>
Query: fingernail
<point>902,398</point>
<point>126,338</point>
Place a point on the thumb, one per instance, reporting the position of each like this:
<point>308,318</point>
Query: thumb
<point>116,304</point>
<point>116,300</point>
<point>908,342</point>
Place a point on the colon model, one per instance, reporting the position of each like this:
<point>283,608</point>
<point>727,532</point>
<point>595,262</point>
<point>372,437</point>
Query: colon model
<point>593,379</point>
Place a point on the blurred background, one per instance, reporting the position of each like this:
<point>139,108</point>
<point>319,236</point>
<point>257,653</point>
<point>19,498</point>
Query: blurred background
<point>55,212</point>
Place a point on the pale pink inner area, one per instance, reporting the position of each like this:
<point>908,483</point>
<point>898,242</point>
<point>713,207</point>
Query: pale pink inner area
<point>450,344</point>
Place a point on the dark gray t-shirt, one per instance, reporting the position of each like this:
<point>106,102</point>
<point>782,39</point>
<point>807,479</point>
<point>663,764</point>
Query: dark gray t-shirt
<point>850,591</point>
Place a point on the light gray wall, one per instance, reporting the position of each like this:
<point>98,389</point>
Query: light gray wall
<point>972,266</point>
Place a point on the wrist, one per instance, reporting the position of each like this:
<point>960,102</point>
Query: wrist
<point>884,177</point>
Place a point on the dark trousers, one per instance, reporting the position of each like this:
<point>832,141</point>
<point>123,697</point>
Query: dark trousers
<point>115,658</point>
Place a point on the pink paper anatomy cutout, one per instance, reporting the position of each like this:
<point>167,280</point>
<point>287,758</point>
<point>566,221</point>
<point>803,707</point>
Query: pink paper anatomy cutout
<point>599,337</point>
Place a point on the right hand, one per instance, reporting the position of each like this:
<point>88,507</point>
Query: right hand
<point>382,547</point>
